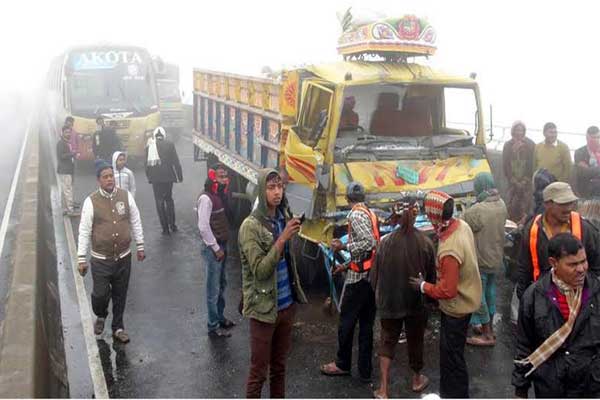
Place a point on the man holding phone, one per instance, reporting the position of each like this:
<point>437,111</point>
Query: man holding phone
<point>109,217</point>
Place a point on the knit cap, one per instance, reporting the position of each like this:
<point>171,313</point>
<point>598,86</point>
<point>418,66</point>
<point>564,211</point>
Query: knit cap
<point>101,165</point>
<point>434,205</point>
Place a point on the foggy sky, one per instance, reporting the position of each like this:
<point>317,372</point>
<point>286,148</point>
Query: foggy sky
<point>535,61</point>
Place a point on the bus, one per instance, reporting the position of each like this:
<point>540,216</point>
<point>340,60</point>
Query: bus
<point>169,97</point>
<point>113,81</point>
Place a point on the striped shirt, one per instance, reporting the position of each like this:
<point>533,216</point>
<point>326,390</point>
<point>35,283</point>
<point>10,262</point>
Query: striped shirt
<point>360,242</point>
<point>284,289</point>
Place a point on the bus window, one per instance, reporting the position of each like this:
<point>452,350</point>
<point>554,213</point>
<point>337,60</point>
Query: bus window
<point>314,115</point>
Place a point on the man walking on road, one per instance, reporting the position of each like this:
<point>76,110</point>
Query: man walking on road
<point>214,230</point>
<point>358,301</point>
<point>270,284</point>
<point>458,290</point>
<point>162,170</point>
<point>109,218</point>
<point>66,169</point>
<point>105,141</point>
<point>557,337</point>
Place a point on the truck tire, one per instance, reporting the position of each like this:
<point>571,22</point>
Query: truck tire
<point>310,265</point>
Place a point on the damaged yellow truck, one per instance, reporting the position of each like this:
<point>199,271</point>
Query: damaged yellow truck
<point>393,125</point>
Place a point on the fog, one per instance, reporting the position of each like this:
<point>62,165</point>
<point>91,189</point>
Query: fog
<point>535,61</point>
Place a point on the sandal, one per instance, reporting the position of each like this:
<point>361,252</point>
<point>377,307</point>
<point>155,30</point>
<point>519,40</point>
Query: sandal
<point>121,336</point>
<point>227,324</point>
<point>422,386</point>
<point>332,369</point>
<point>378,395</point>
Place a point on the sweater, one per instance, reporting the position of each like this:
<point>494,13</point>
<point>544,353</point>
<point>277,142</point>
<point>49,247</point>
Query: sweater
<point>555,158</point>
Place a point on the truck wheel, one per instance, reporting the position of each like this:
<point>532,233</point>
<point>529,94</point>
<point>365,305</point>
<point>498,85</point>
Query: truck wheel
<point>310,265</point>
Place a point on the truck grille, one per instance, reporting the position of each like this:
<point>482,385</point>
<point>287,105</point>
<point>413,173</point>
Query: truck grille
<point>118,123</point>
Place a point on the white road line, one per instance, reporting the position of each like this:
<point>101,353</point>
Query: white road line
<point>95,364</point>
<point>13,189</point>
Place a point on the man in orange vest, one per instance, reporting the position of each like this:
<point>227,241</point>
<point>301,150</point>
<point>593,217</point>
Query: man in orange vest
<point>559,216</point>
<point>358,300</point>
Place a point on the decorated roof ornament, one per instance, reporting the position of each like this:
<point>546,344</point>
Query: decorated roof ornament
<point>390,38</point>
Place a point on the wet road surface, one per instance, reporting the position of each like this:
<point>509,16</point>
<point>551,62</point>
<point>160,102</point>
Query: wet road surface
<point>170,354</point>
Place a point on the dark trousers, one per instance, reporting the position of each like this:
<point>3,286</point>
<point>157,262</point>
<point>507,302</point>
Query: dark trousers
<point>163,196</point>
<point>111,280</point>
<point>415,331</point>
<point>454,377</point>
<point>358,305</point>
<point>269,347</point>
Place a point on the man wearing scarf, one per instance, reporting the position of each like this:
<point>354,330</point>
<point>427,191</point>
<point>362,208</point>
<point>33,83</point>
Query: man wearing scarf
<point>517,163</point>
<point>458,290</point>
<point>487,219</point>
<point>162,170</point>
<point>587,164</point>
<point>558,332</point>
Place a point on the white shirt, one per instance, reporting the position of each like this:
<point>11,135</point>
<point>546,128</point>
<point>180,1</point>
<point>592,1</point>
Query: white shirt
<point>204,212</point>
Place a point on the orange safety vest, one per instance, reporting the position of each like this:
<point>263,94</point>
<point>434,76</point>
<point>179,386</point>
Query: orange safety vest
<point>533,239</point>
<point>366,264</point>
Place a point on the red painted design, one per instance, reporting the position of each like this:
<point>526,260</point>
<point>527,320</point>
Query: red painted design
<point>442,175</point>
<point>409,28</point>
<point>290,93</point>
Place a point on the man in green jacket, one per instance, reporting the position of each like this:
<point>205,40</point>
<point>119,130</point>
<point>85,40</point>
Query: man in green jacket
<point>270,284</point>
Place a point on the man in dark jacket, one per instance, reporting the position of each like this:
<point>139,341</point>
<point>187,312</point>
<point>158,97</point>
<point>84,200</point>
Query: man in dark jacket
<point>105,141</point>
<point>558,333</point>
<point>162,170</point>
<point>66,168</point>
<point>558,217</point>
<point>403,253</point>
<point>587,165</point>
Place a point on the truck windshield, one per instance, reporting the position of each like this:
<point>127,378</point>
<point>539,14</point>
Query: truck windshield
<point>117,87</point>
<point>414,113</point>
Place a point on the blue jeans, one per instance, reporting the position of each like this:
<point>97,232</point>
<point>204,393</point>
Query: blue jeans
<point>488,300</point>
<point>216,282</point>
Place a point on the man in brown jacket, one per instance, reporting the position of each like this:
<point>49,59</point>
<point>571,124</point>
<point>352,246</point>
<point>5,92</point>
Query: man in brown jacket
<point>458,290</point>
<point>109,217</point>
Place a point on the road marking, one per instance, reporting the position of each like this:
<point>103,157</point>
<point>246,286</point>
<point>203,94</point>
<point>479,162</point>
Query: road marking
<point>13,188</point>
<point>95,364</point>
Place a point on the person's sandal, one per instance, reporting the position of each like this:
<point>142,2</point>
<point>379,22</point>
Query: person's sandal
<point>99,326</point>
<point>219,333</point>
<point>121,336</point>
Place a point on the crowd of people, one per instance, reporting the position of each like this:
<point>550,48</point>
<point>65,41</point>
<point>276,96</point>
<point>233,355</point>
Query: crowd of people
<point>398,278</point>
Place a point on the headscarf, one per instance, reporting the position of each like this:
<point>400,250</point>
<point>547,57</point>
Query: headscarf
<point>518,143</point>
<point>484,186</point>
<point>153,157</point>
<point>434,208</point>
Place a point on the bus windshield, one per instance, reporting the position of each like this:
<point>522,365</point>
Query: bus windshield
<point>168,91</point>
<point>110,83</point>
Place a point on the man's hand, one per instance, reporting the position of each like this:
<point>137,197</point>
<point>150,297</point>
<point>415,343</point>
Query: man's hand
<point>338,269</point>
<point>220,255</point>
<point>291,228</point>
<point>337,245</point>
<point>83,268</point>
<point>141,256</point>
<point>415,283</point>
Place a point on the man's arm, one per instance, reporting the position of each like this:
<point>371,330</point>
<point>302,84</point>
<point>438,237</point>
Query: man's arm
<point>177,164</point>
<point>132,187</point>
<point>85,230</point>
<point>136,223</point>
<point>206,233</point>
<point>567,162</point>
<point>447,284</point>
<point>473,219</point>
<point>525,272</point>
<point>591,238</point>
<point>262,263</point>
<point>506,161</point>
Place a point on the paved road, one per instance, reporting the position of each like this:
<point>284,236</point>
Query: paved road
<point>170,354</point>
<point>13,122</point>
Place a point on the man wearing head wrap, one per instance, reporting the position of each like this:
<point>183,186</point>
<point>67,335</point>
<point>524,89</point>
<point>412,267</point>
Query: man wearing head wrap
<point>486,219</point>
<point>458,290</point>
<point>517,163</point>
<point>349,118</point>
<point>162,170</point>
<point>404,253</point>
<point>109,217</point>
<point>587,165</point>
